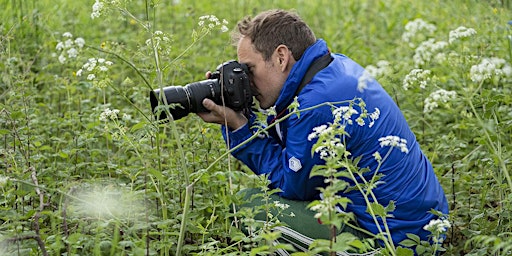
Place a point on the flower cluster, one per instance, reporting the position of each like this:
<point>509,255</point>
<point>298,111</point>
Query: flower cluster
<point>211,21</point>
<point>70,48</point>
<point>460,32</point>
<point>428,50</point>
<point>97,8</point>
<point>394,141</point>
<point>326,206</point>
<point>344,113</point>
<point>281,206</point>
<point>330,136</point>
<point>102,7</point>
<point>109,114</point>
<point>416,27</point>
<point>96,69</point>
<point>329,146</point>
<point>438,226</point>
<point>3,180</point>
<point>161,42</point>
<point>436,97</point>
<point>490,68</point>
<point>363,80</point>
<point>417,78</point>
<point>381,69</point>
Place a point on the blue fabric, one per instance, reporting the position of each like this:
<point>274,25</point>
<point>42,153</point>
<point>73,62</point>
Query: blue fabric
<point>409,179</point>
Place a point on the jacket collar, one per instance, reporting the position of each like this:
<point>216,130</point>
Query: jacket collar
<point>313,52</point>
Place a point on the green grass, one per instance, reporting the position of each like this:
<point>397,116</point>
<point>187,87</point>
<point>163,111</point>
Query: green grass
<point>62,168</point>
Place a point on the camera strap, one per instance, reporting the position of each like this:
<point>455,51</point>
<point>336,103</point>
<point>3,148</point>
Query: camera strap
<point>314,68</point>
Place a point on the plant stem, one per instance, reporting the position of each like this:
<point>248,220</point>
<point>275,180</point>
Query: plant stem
<point>188,195</point>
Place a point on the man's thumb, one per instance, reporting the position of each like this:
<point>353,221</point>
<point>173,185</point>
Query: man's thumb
<point>208,104</point>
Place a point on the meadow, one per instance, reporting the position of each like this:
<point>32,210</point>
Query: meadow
<point>86,170</point>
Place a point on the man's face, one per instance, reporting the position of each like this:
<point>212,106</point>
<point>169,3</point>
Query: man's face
<point>266,77</point>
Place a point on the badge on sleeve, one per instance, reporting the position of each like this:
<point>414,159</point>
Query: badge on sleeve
<point>294,164</point>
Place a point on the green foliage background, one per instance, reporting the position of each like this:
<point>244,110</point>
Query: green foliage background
<point>61,167</point>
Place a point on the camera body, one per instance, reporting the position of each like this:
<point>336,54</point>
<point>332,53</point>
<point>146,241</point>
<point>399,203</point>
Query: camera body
<point>229,86</point>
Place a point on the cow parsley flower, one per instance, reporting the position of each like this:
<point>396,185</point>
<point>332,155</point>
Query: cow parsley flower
<point>417,78</point>
<point>394,141</point>
<point>109,114</point>
<point>438,226</point>
<point>436,97</point>
<point>416,27</point>
<point>160,41</point>
<point>96,71</point>
<point>97,9</point>
<point>490,68</point>
<point>209,22</point>
<point>3,180</point>
<point>363,80</point>
<point>344,113</point>
<point>459,33</point>
<point>69,48</point>
<point>382,68</point>
<point>427,51</point>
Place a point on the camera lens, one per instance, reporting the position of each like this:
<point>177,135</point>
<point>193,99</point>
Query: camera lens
<point>185,99</point>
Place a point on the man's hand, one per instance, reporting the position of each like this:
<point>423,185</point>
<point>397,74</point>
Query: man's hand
<point>222,115</point>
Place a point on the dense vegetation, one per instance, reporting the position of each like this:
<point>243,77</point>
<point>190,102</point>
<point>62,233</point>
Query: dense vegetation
<point>85,170</point>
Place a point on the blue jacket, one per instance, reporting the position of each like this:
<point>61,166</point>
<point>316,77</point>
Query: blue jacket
<point>409,179</point>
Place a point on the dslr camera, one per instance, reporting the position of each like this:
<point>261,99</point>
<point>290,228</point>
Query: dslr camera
<point>229,86</point>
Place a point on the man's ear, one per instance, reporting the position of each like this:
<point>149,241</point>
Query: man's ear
<point>284,57</point>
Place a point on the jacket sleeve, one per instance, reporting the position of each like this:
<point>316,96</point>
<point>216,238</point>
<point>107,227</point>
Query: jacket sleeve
<point>288,168</point>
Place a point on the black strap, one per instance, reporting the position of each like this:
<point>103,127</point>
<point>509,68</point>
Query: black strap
<point>316,66</point>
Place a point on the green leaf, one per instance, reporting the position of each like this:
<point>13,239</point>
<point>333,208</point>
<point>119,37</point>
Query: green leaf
<point>400,251</point>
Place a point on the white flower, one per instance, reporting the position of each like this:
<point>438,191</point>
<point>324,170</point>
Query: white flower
<point>377,156</point>
<point>60,46</point>
<point>427,51</point>
<point>109,114</point>
<point>433,100</point>
<point>69,47</point>
<point>62,59</point>
<point>211,21</point>
<point>362,81</point>
<point>438,226</point>
<point>460,32</point>
<point>394,141</point>
<point>345,113</point>
<point>382,68</point>
<point>80,42</point>
<point>489,68</point>
<point>374,116</point>
<point>317,131</point>
<point>72,53</point>
<point>97,8</point>
<point>417,77</point>
<point>91,77</point>
<point>416,27</point>
<point>3,180</point>
<point>280,205</point>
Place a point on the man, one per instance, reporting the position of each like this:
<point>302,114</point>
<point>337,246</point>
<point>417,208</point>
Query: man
<point>278,48</point>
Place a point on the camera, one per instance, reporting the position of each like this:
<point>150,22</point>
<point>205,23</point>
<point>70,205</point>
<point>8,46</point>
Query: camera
<point>229,86</point>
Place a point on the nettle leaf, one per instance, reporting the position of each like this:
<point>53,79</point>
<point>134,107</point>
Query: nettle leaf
<point>400,251</point>
<point>377,209</point>
<point>408,243</point>
<point>391,207</point>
